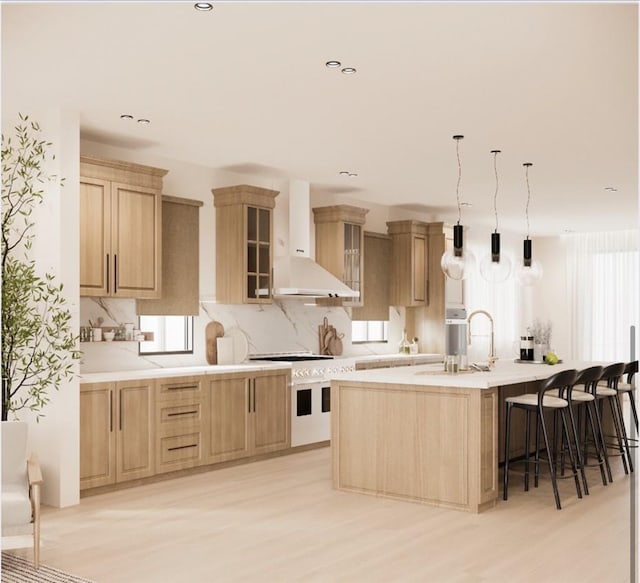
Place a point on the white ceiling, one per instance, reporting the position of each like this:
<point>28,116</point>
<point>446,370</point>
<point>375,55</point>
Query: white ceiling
<point>244,87</point>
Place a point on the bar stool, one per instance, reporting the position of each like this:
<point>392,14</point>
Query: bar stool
<point>537,403</point>
<point>627,388</point>
<point>611,374</point>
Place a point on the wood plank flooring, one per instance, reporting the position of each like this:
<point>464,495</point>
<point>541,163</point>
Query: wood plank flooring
<point>279,520</point>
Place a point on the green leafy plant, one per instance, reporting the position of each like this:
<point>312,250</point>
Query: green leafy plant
<point>38,344</point>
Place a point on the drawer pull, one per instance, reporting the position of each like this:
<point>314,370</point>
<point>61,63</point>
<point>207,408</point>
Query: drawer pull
<point>182,447</point>
<point>182,387</point>
<point>182,413</point>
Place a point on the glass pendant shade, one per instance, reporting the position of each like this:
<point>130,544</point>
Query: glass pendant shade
<point>495,268</point>
<point>529,270</point>
<point>457,263</point>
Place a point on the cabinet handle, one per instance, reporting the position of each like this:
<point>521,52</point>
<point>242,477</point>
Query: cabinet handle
<point>108,272</point>
<point>182,387</point>
<point>254,394</point>
<point>182,413</point>
<point>249,395</point>
<point>115,273</point>
<point>110,410</point>
<point>182,447</point>
<point>121,410</point>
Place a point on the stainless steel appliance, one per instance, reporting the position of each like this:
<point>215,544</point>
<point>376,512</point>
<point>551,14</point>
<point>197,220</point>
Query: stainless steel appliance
<point>310,392</point>
<point>455,331</point>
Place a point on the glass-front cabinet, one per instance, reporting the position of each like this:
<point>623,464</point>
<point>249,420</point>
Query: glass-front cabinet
<point>339,246</point>
<point>244,244</point>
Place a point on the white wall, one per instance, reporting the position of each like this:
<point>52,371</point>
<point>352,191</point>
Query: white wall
<point>55,438</point>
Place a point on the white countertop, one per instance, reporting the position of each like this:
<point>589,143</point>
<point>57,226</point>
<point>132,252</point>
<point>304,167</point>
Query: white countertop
<point>432,375</point>
<point>420,357</point>
<point>179,371</point>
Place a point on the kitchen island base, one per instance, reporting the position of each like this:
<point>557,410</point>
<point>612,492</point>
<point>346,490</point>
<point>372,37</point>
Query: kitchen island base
<point>428,444</point>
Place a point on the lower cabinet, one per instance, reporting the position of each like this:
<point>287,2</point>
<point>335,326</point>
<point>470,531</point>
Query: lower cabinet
<point>249,415</point>
<point>116,432</point>
<point>180,423</point>
<point>136,429</point>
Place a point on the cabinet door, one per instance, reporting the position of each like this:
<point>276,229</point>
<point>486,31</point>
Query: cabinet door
<point>134,432</point>
<point>258,225</point>
<point>228,412</point>
<point>97,435</point>
<point>419,244</point>
<point>136,243</point>
<point>95,236</point>
<point>271,406</point>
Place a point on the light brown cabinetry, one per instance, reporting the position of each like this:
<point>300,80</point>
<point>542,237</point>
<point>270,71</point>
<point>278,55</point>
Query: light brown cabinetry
<point>120,229</point>
<point>180,418</point>
<point>408,263</point>
<point>248,415</point>
<point>116,430</point>
<point>244,244</point>
<point>375,293</point>
<point>340,245</point>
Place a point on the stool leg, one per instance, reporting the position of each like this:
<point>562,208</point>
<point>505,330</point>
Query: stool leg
<point>623,431</point>
<point>552,471</point>
<point>616,425</point>
<point>579,458</point>
<point>595,442</point>
<point>537,468</point>
<point>597,407</point>
<point>507,431</point>
<point>632,400</point>
<point>527,431</point>
<point>574,469</point>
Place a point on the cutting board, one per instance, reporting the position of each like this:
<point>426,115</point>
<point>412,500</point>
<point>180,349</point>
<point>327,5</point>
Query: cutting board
<point>212,332</point>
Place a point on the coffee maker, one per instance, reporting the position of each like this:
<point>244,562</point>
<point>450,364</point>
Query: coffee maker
<point>455,334</point>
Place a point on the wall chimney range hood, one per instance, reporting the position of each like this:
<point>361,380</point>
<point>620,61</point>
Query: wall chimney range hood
<point>297,274</point>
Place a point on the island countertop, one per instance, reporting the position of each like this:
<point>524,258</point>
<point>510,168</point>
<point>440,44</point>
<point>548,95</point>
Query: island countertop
<point>432,375</point>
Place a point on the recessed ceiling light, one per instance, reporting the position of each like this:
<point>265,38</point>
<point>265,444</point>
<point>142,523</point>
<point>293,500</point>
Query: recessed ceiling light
<point>610,189</point>
<point>344,173</point>
<point>348,70</point>
<point>144,120</point>
<point>126,116</point>
<point>465,204</point>
<point>333,64</point>
<point>352,174</point>
<point>203,6</point>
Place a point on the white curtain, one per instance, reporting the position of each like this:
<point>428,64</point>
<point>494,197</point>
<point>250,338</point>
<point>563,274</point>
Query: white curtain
<point>603,291</point>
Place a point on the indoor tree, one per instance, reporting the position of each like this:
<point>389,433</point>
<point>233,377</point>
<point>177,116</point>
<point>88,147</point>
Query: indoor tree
<point>38,343</point>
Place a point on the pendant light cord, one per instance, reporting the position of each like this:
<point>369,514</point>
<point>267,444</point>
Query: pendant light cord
<point>457,138</point>
<point>495,196</point>
<point>527,165</point>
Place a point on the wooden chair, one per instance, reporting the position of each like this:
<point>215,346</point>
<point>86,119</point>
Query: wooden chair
<point>21,480</point>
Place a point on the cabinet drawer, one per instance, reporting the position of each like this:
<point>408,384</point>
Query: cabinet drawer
<point>178,414</point>
<point>183,388</point>
<point>179,451</point>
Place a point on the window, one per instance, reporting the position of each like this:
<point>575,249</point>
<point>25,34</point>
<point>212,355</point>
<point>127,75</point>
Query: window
<point>369,331</point>
<point>171,334</point>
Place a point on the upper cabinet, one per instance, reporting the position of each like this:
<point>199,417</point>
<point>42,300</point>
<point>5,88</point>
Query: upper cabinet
<point>409,263</point>
<point>120,229</point>
<point>244,244</point>
<point>340,245</point>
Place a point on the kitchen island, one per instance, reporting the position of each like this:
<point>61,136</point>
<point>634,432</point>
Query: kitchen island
<point>424,435</point>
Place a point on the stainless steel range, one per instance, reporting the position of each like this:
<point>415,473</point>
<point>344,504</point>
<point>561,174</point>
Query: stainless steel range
<point>310,392</point>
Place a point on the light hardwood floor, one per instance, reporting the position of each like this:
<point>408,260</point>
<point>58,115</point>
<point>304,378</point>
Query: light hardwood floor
<point>279,520</point>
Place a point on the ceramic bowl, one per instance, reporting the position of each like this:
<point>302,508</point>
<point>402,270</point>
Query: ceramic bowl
<point>109,336</point>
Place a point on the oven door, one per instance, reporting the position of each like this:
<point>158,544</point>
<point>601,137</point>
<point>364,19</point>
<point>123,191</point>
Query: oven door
<point>310,412</point>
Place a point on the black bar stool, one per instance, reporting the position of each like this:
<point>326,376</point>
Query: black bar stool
<point>537,403</point>
<point>611,375</point>
<point>580,396</point>
<point>627,388</point>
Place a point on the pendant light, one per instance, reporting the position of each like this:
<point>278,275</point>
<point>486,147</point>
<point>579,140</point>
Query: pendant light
<point>495,268</point>
<point>459,262</point>
<point>529,270</point>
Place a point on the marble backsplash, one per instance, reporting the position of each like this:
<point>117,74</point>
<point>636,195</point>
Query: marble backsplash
<point>287,325</point>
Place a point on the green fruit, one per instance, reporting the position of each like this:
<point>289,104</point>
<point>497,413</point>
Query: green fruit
<point>551,358</point>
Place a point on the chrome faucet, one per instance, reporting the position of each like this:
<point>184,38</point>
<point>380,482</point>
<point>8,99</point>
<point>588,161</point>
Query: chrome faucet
<point>492,351</point>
